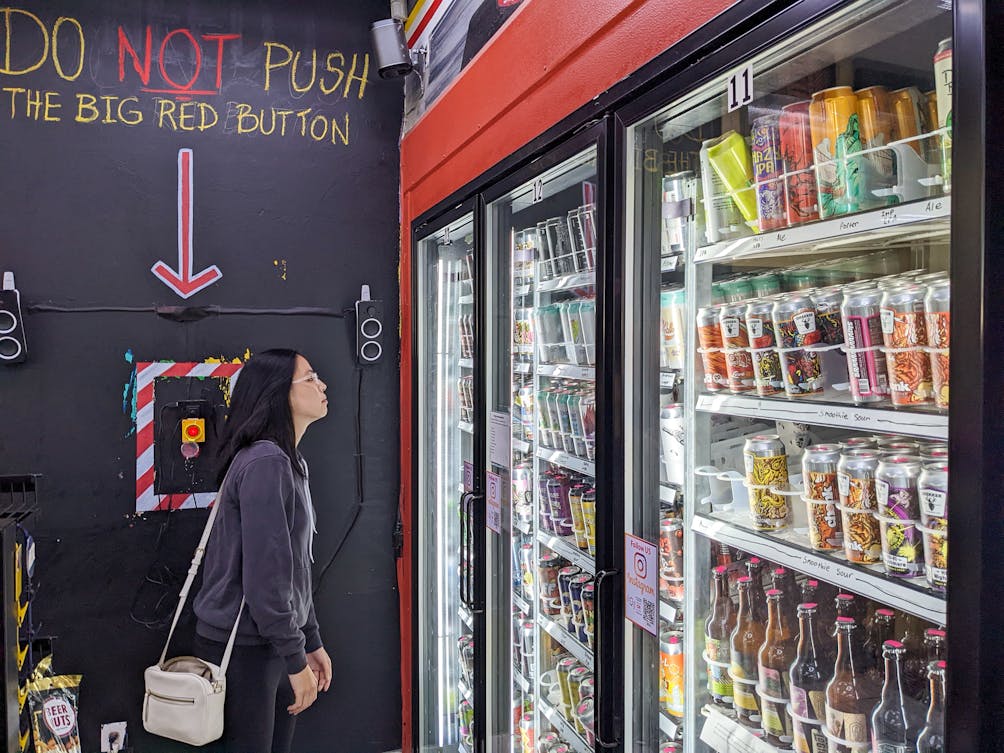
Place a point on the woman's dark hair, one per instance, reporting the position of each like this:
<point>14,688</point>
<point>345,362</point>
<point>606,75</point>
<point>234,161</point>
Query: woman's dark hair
<point>259,407</point>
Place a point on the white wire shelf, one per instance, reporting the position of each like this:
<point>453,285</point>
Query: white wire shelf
<point>568,282</point>
<point>876,228</point>
<point>465,427</point>
<point>466,363</point>
<point>521,681</point>
<point>669,726</point>
<point>518,445</point>
<point>567,461</point>
<point>567,371</point>
<point>522,604</point>
<point>929,425</point>
<point>567,549</point>
<point>562,636</point>
<point>725,735</point>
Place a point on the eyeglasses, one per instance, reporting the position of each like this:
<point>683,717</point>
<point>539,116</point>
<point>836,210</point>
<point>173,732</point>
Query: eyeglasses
<point>311,378</point>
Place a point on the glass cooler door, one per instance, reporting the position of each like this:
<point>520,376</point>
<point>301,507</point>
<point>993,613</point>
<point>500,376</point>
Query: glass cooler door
<point>541,353</point>
<point>447,505</point>
<point>799,493</point>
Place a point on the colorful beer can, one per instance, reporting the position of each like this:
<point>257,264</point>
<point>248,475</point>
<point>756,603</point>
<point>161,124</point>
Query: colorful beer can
<point>861,312</point>
<point>937,314</point>
<point>908,114</point>
<point>836,140</point>
<point>709,335</point>
<point>896,489</point>
<point>795,328</point>
<point>904,330</point>
<point>819,477</point>
<point>856,485</point>
<point>943,89</point>
<point>766,465</point>
<point>735,340</point>
<point>876,122</point>
<point>802,198</point>
<point>768,173</point>
<point>932,487</point>
<point>767,373</point>
<point>828,319</point>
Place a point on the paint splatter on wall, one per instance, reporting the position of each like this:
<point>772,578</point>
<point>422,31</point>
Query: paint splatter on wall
<point>129,394</point>
<point>225,381</point>
<point>280,265</point>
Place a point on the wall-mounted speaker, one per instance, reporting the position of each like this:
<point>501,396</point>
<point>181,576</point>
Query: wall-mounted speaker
<point>13,346</point>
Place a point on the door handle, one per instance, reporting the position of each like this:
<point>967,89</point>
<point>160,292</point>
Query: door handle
<point>465,553</point>
<point>607,727</point>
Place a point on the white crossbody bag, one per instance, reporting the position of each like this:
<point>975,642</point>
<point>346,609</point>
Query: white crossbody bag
<point>185,695</point>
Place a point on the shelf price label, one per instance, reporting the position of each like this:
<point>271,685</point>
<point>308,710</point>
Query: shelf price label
<point>739,91</point>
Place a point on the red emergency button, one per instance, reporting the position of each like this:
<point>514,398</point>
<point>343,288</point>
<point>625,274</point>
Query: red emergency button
<point>193,430</point>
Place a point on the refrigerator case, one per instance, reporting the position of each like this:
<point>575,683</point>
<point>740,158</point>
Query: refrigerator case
<point>448,654</point>
<point>542,241</point>
<point>789,244</point>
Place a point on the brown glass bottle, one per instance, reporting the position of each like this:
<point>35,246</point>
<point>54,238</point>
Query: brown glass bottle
<point>783,580</point>
<point>745,642</point>
<point>850,695</point>
<point>897,720</point>
<point>718,629</point>
<point>774,661</point>
<point>915,662</point>
<point>883,628</point>
<point>755,568</point>
<point>809,675</point>
<point>935,650</point>
<point>932,737</point>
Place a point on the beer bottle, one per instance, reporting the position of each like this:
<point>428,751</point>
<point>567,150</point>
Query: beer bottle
<point>774,660</point>
<point>883,629</point>
<point>897,720</point>
<point>755,567</point>
<point>850,695</point>
<point>935,648</point>
<point>932,737</point>
<point>746,639</point>
<point>810,587</point>
<point>717,633</point>
<point>783,580</point>
<point>914,663</point>
<point>809,673</point>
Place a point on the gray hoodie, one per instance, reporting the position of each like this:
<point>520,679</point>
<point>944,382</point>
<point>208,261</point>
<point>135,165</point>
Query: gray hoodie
<point>261,544</point>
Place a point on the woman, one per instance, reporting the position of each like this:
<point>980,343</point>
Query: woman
<point>260,548</point>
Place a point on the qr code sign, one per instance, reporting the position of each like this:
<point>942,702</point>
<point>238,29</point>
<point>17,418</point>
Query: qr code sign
<point>648,611</point>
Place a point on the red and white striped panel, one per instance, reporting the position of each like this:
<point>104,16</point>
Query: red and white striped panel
<point>147,373</point>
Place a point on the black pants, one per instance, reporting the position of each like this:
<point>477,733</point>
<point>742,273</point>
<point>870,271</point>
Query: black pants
<point>255,719</point>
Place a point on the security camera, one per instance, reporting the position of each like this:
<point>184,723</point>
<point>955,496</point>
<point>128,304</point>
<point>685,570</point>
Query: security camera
<point>393,57</point>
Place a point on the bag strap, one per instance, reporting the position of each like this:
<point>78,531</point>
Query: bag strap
<point>193,569</point>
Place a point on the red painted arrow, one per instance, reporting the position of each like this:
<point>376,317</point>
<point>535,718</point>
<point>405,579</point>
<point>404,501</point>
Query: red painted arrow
<point>182,281</point>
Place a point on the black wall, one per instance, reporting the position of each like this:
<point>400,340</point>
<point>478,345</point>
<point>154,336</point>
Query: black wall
<point>87,209</point>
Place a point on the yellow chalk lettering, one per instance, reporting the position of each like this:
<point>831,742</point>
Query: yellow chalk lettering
<point>51,106</point>
<point>108,100</point>
<point>353,77</point>
<point>270,66</point>
<point>244,114</point>
<point>87,112</point>
<point>271,128</point>
<point>14,91</point>
<point>206,109</point>
<point>165,113</point>
<point>186,116</point>
<point>132,116</point>
<point>313,72</point>
<point>283,115</point>
<point>33,101</point>
<point>336,129</point>
<point>324,128</point>
<point>7,12</point>
<point>337,69</point>
<point>302,115</point>
<point>55,47</point>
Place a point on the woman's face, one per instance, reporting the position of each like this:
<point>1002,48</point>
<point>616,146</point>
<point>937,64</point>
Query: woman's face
<point>306,394</point>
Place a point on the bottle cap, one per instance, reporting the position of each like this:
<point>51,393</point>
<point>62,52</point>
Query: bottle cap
<point>809,606</point>
<point>745,579</point>
<point>774,593</point>
<point>893,646</point>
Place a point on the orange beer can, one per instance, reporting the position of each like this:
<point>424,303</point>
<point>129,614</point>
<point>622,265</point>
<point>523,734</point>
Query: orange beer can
<point>834,125</point>
<point>876,118</point>
<point>907,107</point>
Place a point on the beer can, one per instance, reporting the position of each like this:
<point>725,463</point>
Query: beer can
<point>679,194</point>
<point>943,89</point>
<point>564,666</point>
<point>768,173</point>
<point>827,302</point>
<point>896,489</point>
<point>565,576</point>
<point>557,498</point>
<point>819,476</point>
<point>937,315</point>
<point>766,465</point>
<point>576,675</point>
<point>767,373</point>
<point>876,121</point>
<point>589,519</point>
<point>859,443</point>
<point>904,331</point>
<point>671,558</point>
<point>577,623</point>
<point>908,107</point>
<point>709,334</point>
<point>735,340</point>
<point>548,565</point>
<point>833,123</point>
<point>931,111</point>
<point>589,611</point>
<point>795,328</point>
<point>729,156</point>
<point>766,284</point>
<point>722,220</point>
<point>861,312</point>
<point>932,486</point>
<point>898,446</point>
<point>856,478</point>
<point>527,628</point>
<point>671,673</point>
<point>547,741</point>
<point>575,505</point>
<point>801,194</point>
<point>856,484</point>
<point>738,290</point>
